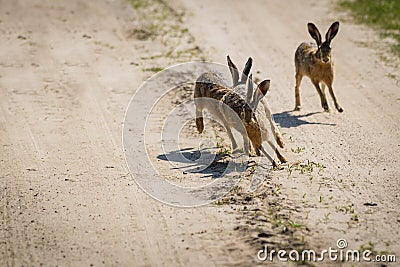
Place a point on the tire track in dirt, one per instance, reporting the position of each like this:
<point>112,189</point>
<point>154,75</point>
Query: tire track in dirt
<point>358,148</point>
<point>65,85</point>
<point>67,72</point>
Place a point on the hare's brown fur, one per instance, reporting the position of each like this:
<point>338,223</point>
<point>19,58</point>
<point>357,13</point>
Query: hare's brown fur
<point>239,86</point>
<point>211,85</point>
<point>208,85</point>
<point>316,62</point>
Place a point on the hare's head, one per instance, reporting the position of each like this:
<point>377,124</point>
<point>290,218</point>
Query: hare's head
<point>324,48</point>
<point>253,127</point>
<point>252,98</point>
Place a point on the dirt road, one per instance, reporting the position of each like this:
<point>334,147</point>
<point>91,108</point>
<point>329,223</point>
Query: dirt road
<point>67,72</point>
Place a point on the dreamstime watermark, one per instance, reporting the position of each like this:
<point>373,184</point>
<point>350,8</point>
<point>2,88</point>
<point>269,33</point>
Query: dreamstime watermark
<point>168,165</point>
<point>339,253</point>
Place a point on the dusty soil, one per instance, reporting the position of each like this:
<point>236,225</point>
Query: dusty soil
<point>67,72</point>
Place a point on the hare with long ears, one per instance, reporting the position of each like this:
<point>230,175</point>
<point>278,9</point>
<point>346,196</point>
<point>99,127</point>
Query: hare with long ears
<point>316,62</point>
<point>211,85</point>
<point>240,87</point>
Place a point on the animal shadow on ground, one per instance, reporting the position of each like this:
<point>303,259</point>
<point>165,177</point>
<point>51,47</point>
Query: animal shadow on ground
<point>214,165</point>
<point>287,119</point>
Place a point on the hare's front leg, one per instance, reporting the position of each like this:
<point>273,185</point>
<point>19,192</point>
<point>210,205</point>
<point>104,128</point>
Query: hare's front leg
<point>229,132</point>
<point>299,77</point>
<point>337,105</point>
<point>322,95</point>
<point>246,142</point>
<point>269,157</point>
<point>243,132</point>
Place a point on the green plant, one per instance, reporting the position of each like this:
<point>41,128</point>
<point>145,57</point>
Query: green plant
<point>158,21</point>
<point>139,3</point>
<point>298,150</point>
<point>222,149</point>
<point>305,167</point>
<point>346,209</point>
<point>326,217</point>
<point>384,14</point>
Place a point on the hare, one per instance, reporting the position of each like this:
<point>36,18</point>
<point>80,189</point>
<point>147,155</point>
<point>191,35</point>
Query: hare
<point>316,62</point>
<point>212,85</point>
<point>240,87</point>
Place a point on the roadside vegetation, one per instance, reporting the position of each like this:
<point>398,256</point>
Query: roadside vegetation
<point>383,14</point>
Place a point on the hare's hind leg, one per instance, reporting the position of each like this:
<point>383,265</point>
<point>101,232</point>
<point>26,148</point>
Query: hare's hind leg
<point>279,138</point>
<point>337,105</point>
<point>199,118</point>
<point>229,132</point>
<point>275,129</point>
<point>299,77</point>
<point>257,148</point>
<point>322,95</point>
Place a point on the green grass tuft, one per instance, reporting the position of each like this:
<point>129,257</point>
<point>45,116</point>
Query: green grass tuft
<point>382,13</point>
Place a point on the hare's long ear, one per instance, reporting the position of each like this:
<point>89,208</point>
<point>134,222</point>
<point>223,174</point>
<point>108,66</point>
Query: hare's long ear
<point>249,89</point>
<point>331,33</point>
<point>314,32</point>
<point>246,70</point>
<point>261,91</point>
<point>234,71</point>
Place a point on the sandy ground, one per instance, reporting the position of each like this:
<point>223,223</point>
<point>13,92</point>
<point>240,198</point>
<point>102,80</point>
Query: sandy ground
<point>67,72</point>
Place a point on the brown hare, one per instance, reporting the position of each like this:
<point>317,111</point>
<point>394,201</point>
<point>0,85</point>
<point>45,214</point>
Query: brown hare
<point>240,87</point>
<point>316,62</point>
<point>212,85</point>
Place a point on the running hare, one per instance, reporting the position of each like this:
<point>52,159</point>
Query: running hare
<point>212,85</point>
<point>316,62</point>
<point>240,87</point>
